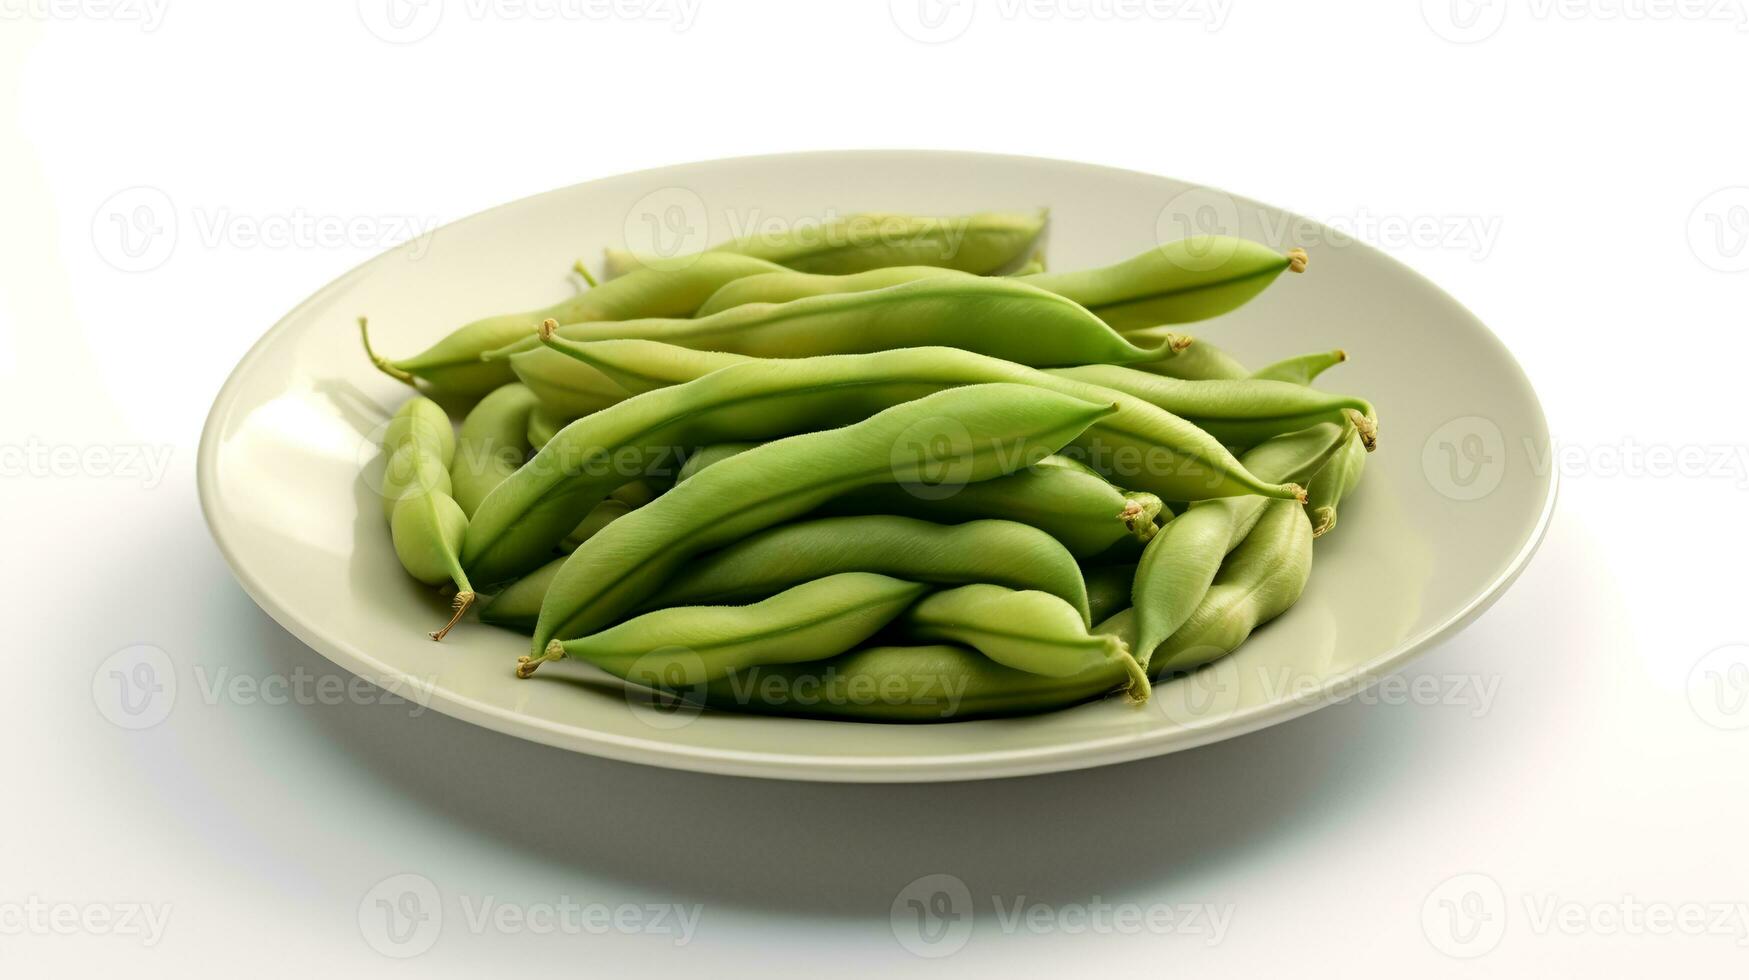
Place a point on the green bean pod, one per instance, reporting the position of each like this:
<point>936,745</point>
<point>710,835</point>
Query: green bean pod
<point>567,388</point>
<point>542,427</point>
<point>599,516</point>
<point>422,421</point>
<point>517,605</point>
<point>985,243</point>
<point>454,366</point>
<point>909,684</point>
<point>686,646</point>
<point>1301,370</point>
<point>492,445</point>
<point>1179,282</point>
<point>1179,566</point>
<point>708,455</point>
<point>426,525</point>
<point>1333,483</point>
<point>1108,589</point>
<point>1069,502</point>
<point>1199,361</point>
<point>1142,445</point>
<point>518,524</point>
<point>782,287</point>
<point>1260,580</point>
<point>974,432</point>
<point>1238,413</point>
<point>999,317</point>
<point>412,470</point>
<point>1035,632</point>
<point>643,365</point>
<point>999,552</point>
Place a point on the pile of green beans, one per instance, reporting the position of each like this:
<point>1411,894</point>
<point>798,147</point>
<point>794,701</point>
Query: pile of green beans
<point>886,468</point>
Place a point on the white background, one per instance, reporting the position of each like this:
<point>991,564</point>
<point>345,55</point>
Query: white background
<point>1577,173</point>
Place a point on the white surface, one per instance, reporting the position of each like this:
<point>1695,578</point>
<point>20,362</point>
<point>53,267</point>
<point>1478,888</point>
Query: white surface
<point>1570,150</point>
<point>287,485</point>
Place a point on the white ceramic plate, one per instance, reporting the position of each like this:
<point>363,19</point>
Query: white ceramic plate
<point>1449,512</point>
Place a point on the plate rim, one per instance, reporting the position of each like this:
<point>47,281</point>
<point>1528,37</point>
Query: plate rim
<point>987,764</point>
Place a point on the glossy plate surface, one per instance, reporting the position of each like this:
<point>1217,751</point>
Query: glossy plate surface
<point>1449,512</point>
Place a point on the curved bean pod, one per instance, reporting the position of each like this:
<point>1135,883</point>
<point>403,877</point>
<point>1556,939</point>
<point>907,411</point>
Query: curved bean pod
<point>643,365</point>
<point>517,605</point>
<point>1259,581</point>
<point>689,645</point>
<point>781,287</point>
<point>426,525</point>
<point>711,454</point>
<point>1238,413</point>
<point>939,682</point>
<point>985,242</point>
<point>1108,589</point>
<point>1179,282</point>
<point>517,525</point>
<point>999,317</point>
<point>1142,445</point>
<point>1332,484</point>
<point>492,445</point>
<point>567,388</point>
<point>1200,361</point>
<point>453,365</point>
<point>974,432</point>
<point>1035,632</point>
<point>999,552</point>
<point>1301,370</point>
<point>1069,502</point>
<point>542,427</point>
<point>599,516</point>
<point>1182,562</point>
